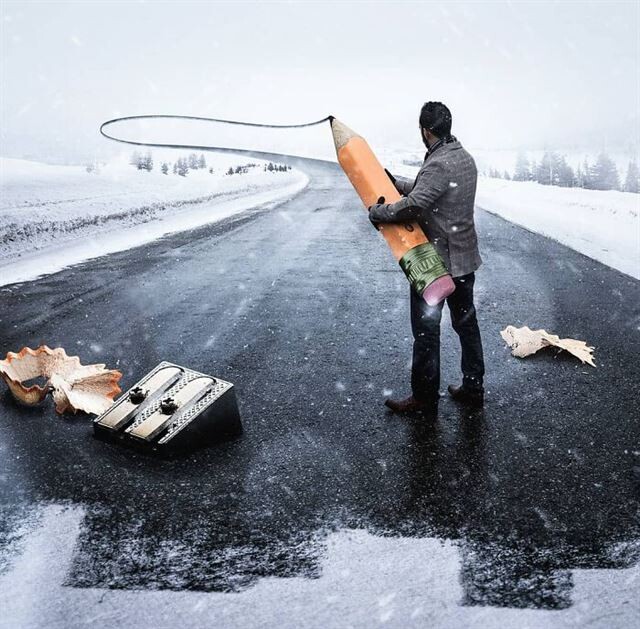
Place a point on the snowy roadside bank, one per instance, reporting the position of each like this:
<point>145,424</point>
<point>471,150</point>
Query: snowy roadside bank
<point>601,224</point>
<point>56,216</point>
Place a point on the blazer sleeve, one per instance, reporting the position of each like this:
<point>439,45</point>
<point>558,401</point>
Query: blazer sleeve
<point>403,185</point>
<point>432,183</point>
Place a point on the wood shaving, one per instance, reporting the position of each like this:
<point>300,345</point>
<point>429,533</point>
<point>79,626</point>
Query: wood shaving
<point>524,342</point>
<point>75,387</point>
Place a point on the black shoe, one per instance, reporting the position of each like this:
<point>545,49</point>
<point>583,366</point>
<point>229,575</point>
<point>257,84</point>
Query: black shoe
<point>471,397</point>
<point>412,405</point>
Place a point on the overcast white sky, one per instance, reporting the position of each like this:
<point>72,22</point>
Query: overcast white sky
<point>517,74</point>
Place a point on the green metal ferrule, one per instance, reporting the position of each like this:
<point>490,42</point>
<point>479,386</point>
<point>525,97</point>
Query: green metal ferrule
<point>422,265</point>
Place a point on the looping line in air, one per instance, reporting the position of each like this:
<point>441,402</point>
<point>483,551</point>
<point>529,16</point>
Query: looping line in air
<point>202,119</point>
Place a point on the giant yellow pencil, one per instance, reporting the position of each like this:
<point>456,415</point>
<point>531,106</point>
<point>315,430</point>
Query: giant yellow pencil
<point>417,257</point>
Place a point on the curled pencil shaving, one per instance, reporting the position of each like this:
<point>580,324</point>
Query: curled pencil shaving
<point>32,374</point>
<point>524,342</point>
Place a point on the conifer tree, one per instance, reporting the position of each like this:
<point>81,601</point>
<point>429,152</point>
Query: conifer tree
<point>604,174</point>
<point>135,159</point>
<point>586,174</point>
<point>146,163</point>
<point>565,174</point>
<point>523,170</point>
<point>632,180</point>
<point>545,171</point>
<point>183,167</point>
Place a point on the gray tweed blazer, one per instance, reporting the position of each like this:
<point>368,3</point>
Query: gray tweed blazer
<point>441,200</point>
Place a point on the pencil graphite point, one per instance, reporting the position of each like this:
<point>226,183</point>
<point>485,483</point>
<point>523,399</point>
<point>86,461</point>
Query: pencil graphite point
<point>341,133</point>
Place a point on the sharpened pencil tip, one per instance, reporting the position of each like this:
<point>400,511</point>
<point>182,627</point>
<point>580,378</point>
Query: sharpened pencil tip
<point>341,133</point>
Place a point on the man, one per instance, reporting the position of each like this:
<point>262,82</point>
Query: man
<point>441,200</point>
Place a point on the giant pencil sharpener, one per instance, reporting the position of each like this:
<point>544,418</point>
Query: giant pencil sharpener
<point>171,411</point>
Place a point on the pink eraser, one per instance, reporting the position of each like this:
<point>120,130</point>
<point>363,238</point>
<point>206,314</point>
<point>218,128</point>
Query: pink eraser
<point>438,290</point>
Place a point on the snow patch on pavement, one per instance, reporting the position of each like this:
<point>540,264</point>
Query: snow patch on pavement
<point>365,581</point>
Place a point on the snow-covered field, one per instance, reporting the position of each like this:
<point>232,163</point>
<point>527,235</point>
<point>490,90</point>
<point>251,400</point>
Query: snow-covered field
<point>53,216</point>
<point>505,159</point>
<point>602,224</point>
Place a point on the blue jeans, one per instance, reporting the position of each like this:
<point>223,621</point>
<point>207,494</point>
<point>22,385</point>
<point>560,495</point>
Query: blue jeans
<point>425,325</point>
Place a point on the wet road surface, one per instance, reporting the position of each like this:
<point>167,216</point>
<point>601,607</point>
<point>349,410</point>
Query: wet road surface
<point>305,311</point>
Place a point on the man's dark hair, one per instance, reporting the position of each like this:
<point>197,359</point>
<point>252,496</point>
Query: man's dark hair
<point>436,117</point>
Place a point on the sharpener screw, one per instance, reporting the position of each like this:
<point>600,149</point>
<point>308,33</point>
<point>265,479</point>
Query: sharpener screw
<point>137,395</point>
<point>168,406</point>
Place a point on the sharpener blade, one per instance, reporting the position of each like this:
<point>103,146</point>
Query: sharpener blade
<point>159,419</point>
<point>156,385</point>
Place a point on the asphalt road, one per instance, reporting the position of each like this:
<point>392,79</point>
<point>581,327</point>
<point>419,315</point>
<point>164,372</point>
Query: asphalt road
<point>304,310</point>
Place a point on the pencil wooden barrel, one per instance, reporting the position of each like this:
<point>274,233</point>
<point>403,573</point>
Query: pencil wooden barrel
<point>417,257</point>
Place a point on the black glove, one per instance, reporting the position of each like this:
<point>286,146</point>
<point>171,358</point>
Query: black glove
<point>373,221</point>
<point>393,179</point>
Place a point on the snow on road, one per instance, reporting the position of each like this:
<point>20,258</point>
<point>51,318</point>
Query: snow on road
<point>55,216</point>
<point>364,581</point>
